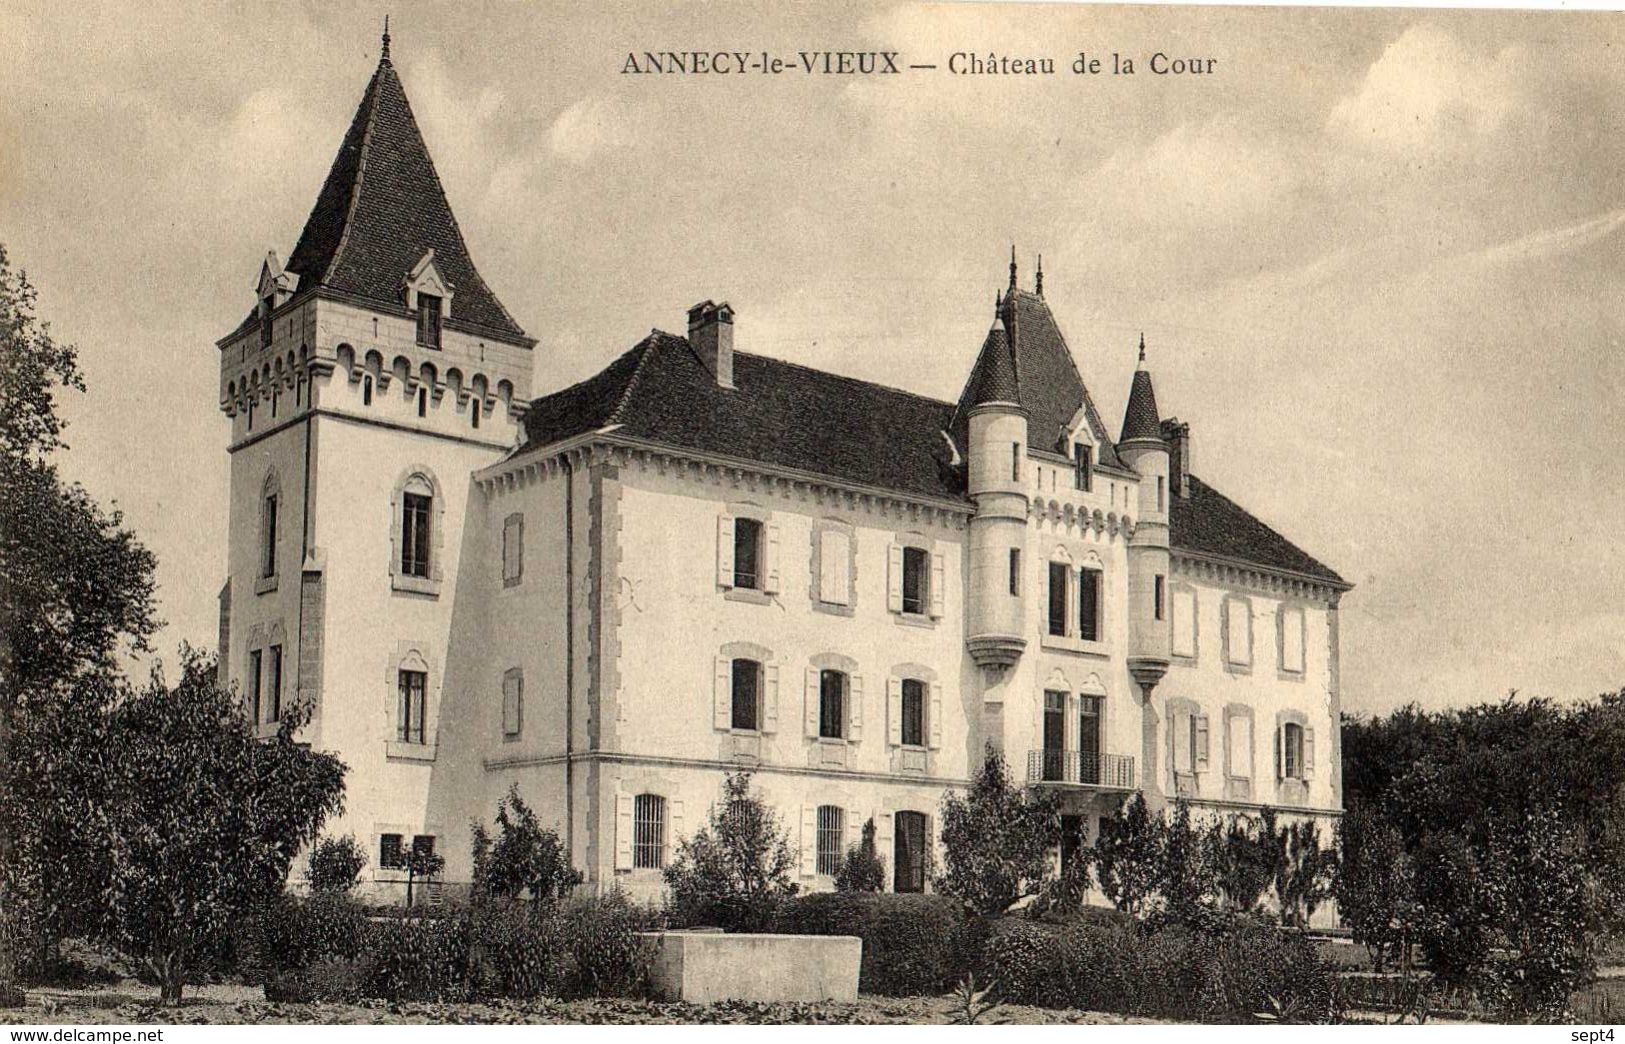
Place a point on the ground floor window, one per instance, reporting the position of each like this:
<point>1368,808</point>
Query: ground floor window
<point>908,851</point>
<point>831,825</point>
<point>648,832</point>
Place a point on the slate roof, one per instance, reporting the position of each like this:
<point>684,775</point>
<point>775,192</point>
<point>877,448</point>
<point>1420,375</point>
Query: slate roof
<point>1141,419</point>
<point>1208,522</point>
<point>1048,383</point>
<point>777,413</point>
<point>994,378</point>
<point>381,209</point>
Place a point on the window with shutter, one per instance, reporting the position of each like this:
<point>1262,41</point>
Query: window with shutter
<point>916,580</point>
<point>834,567</point>
<point>913,712</point>
<point>1089,605</point>
<point>1292,750</point>
<point>747,554</point>
<point>1238,631</point>
<point>1182,736</point>
<point>1199,741</point>
<point>831,830</point>
<point>648,832</point>
<point>832,686</point>
<point>747,684</point>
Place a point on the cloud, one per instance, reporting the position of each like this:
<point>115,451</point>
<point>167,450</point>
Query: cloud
<point>1430,92</point>
<point>590,127</point>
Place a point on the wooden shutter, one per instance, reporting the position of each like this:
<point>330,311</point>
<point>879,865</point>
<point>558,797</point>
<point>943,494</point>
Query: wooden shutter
<point>894,711</point>
<point>1201,742</point>
<point>725,550</point>
<point>770,698</point>
<point>852,829</point>
<point>809,840</point>
<point>883,846</point>
<point>1308,753</point>
<point>933,723</point>
<point>724,696</point>
<point>894,578</point>
<point>674,827</point>
<point>1280,751</point>
<point>937,573</point>
<point>854,708</point>
<point>770,555</point>
<point>1182,742</point>
<point>623,831</point>
<point>810,707</point>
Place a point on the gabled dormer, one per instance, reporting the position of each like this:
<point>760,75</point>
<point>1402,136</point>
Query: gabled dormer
<point>428,296</point>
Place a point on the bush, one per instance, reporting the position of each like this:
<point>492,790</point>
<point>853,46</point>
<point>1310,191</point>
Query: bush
<point>602,953</point>
<point>525,860</point>
<point>333,981</point>
<point>335,864</point>
<point>1260,970</point>
<point>419,959</point>
<point>912,944</point>
<point>514,951</point>
<point>862,870</point>
<point>735,870</point>
<point>997,839</point>
<point>289,933</point>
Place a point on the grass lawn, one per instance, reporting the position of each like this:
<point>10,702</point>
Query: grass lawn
<point>132,1003</point>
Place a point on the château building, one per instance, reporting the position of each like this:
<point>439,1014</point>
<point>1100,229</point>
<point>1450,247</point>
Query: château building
<point>702,559</point>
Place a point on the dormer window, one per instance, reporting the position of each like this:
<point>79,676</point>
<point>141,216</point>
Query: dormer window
<point>1082,467</point>
<point>429,320</point>
<point>266,326</point>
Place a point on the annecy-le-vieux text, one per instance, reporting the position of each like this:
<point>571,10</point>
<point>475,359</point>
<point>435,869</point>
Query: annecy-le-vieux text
<point>891,63</point>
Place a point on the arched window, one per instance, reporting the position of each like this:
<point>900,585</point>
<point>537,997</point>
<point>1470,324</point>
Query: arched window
<point>747,694</point>
<point>417,511</point>
<point>269,509</point>
<point>648,832</point>
<point>417,531</point>
<point>831,835</point>
<point>412,689</point>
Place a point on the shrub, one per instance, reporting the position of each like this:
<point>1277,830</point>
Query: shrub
<point>334,981</point>
<point>514,951</point>
<point>1259,970</point>
<point>335,864</point>
<point>1189,881</point>
<point>1128,856</point>
<point>912,944</point>
<point>862,870</point>
<point>997,840</point>
<point>1375,886</point>
<point>290,933</point>
<point>602,953</point>
<point>525,859</point>
<point>735,870</point>
<point>419,959</point>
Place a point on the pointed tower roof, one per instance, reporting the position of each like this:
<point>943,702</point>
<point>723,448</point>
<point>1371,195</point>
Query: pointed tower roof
<point>1141,419</point>
<point>382,208</point>
<point>995,377</point>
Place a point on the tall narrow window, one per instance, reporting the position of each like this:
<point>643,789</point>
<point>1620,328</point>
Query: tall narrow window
<point>366,390</point>
<point>913,712</point>
<point>648,832</point>
<point>831,704</point>
<point>268,551</point>
<point>834,567</point>
<point>415,515</point>
<point>1089,605</point>
<point>474,414</point>
<point>1088,739</point>
<point>429,320</point>
<point>831,827</point>
<point>255,659</point>
<point>513,703</point>
<point>250,414</point>
<point>747,553</point>
<point>908,851</point>
<point>747,688</point>
<point>1082,467</point>
<point>1015,462</point>
<point>513,549</point>
<point>276,398</point>
<point>1015,571</point>
<point>1162,492</point>
<point>414,687</point>
<point>1292,751</point>
<point>1157,593</point>
<point>423,402</point>
<point>275,685</point>
<point>267,327</point>
<point>1057,598</point>
<point>1054,735</point>
<point>916,569</point>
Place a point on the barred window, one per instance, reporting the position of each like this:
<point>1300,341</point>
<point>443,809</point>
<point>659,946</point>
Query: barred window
<point>648,832</point>
<point>831,825</point>
<point>415,511</point>
<point>414,686</point>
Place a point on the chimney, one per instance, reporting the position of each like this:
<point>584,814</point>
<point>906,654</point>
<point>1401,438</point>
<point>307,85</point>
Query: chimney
<point>711,335</point>
<point>1178,437</point>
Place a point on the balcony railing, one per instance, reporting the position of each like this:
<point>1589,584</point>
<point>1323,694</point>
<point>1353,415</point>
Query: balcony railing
<point>1081,769</point>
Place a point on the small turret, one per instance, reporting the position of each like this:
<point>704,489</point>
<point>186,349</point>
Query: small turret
<point>996,469</point>
<point>1142,448</point>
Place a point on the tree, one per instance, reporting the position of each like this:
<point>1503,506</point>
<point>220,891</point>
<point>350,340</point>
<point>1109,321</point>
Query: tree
<point>1304,873</point>
<point>862,869</point>
<point>1128,856</point>
<point>202,819</point>
<point>997,840</point>
<point>1376,886</point>
<point>1245,858</point>
<point>734,871</point>
<point>335,864</point>
<point>1189,879</point>
<point>524,859</point>
<point>74,588</point>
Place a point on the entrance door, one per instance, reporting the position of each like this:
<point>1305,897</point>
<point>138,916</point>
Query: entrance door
<point>1054,735</point>
<point>1088,739</point>
<point>908,851</point>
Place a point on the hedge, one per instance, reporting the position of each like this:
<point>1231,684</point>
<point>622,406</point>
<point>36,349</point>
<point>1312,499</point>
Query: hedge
<point>912,944</point>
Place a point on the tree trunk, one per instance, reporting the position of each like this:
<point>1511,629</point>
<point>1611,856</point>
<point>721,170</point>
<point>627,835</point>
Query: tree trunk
<point>171,978</point>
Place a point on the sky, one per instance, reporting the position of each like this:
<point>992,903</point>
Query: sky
<point>1377,255</point>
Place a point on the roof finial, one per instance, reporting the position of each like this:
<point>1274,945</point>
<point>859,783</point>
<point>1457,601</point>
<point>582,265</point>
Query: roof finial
<point>1142,347</point>
<point>1012,266</point>
<point>998,302</point>
<point>385,56</point>
<point>1040,283</point>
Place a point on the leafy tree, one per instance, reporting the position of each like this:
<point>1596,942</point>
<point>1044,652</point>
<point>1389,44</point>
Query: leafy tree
<point>734,871</point>
<point>1128,856</point>
<point>335,864</point>
<point>421,863</point>
<point>1190,876</point>
<point>1304,874</point>
<point>997,840</point>
<point>74,588</point>
<point>201,818</point>
<point>1245,856</point>
<point>526,858</point>
<point>862,869</point>
<point>1376,886</point>
<point>1454,918</point>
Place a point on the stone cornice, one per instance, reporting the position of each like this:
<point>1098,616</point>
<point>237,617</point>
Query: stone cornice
<point>1055,510</point>
<point>1237,573</point>
<point>765,768</point>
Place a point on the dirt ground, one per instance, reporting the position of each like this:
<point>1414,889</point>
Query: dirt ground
<point>134,1004</point>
